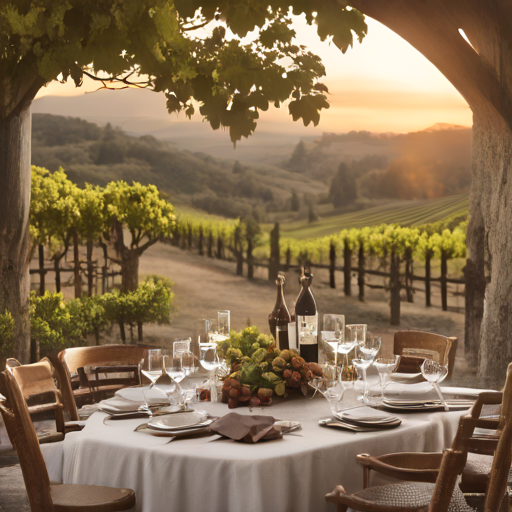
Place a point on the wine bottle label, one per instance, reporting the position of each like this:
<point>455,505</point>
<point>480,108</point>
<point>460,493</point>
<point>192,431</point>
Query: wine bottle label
<point>307,329</point>
<point>292,336</point>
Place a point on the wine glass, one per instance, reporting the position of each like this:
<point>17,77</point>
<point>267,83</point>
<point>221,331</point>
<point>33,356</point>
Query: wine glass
<point>174,368</point>
<point>366,352</point>
<point>434,372</point>
<point>330,386</point>
<point>356,333</point>
<point>209,359</point>
<point>188,362</point>
<point>334,333</point>
<point>385,367</point>
<point>152,367</point>
<point>223,323</point>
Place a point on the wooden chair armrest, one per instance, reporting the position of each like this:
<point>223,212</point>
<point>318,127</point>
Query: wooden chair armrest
<point>486,398</point>
<point>339,497</point>
<point>409,466</point>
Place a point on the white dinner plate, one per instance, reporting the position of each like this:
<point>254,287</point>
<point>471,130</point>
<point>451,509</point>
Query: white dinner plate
<point>153,395</point>
<point>178,421</point>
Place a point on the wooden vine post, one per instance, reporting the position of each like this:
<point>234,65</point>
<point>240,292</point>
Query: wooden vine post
<point>273,264</point>
<point>220,246</point>
<point>444,283</point>
<point>76,256</point>
<point>200,242</point>
<point>332,264</point>
<point>189,237</point>
<point>409,286</point>
<point>210,244</point>
<point>361,263</point>
<point>428,292</point>
<point>394,287</point>
<point>90,268</point>
<point>238,250</point>
<point>288,257</point>
<point>347,268</point>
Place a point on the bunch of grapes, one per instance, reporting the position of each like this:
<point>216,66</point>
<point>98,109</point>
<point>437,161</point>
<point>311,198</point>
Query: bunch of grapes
<point>234,394</point>
<point>298,373</point>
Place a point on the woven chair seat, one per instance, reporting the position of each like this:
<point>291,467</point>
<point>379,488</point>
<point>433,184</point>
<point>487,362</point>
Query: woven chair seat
<point>407,494</point>
<point>476,473</point>
<point>84,498</point>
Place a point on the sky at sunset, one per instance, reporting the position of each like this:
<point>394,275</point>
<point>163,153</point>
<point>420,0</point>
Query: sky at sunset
<point>381,85</point>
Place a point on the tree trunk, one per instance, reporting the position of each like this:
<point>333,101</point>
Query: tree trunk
<point>288,258</point>
<point>14,225</point>
<point>220,247</point>
<point>394,288</point>
<point>273,264</point>
<point>361,272</point>
<point>56,268</point>
<point>332,265</point>
<point>347,269</point>
<point>239,252</point>
<point>140,332</point>
<point>490,246</point>
<point>250,259</point>
<point>189,238</point>
<point>428,294</point>
<point>130,270</point>
<point>42,271</point>
<point>210,245</point>
<point>78,278</point>
<point>90,269</point>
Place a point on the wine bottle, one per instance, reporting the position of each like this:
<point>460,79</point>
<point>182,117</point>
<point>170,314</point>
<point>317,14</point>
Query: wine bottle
<point>307,321</point>
<point>301,291</point>
<point>279,319</point>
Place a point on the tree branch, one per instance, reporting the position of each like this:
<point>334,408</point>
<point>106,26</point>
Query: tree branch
<point>147,245</point>
<point>119,79</point>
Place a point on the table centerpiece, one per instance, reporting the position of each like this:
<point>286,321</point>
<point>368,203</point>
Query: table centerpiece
<point>258,369</point>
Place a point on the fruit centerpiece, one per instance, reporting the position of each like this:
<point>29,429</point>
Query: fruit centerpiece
<point>258,369</point>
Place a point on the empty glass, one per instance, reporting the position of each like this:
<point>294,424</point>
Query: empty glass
<point>385,367</point>
<point>174,368</point>
<point>435,373</point>
<point>152,366</point>
<point>366,352</point>
<point>356,333</point>
<point>333,333</point>
<point>330,386</point>
<point>223,323</point>
<point>209,359</point>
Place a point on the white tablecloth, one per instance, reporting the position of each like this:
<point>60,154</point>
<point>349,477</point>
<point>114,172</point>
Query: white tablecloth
<point>220,475</point>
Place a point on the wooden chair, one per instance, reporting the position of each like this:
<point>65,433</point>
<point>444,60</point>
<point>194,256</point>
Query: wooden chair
<point>443,496</point>
<point>430,468</point>
<point>99,359</point>
<point>44,496</point>
<point>425,467</point>
<point>42,396</point>
<point>445,346</point>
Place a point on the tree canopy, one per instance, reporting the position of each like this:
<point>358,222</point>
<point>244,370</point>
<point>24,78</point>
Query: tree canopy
<point>229,70</point>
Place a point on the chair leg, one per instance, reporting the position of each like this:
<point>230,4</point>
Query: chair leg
<point>366,477</point>
<point>341,508</point>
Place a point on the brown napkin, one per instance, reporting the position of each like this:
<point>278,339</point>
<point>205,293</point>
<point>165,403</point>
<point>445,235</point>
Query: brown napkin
<point>245,428</point>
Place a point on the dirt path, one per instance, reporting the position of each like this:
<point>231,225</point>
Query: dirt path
<point>203,285</point>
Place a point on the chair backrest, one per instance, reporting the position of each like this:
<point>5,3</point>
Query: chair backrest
<point>70,360</point>
<point>20,429</point>
<point>36,380</point>
<point>443,345</point>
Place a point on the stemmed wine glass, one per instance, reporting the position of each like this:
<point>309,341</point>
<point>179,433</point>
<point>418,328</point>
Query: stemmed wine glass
<point>385,367</point>
<point>152,367</point>
<point>330,386</point>
<point>333,334</point>
<point>366,352</point>
<point>209,359</point>
<point>434,372</point>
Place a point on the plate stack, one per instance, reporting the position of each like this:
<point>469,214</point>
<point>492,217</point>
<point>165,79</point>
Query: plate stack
<point>362,419</point>
<point>181,424</point>
<point>405,405</point>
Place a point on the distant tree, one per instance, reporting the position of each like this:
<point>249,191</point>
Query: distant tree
<point>312,215</point>
<point>295,202</point>
<point>111,149</point>
<point>140,211</point>
<point>299,160</point>
<point>343,188</point>
<point>238,168</point>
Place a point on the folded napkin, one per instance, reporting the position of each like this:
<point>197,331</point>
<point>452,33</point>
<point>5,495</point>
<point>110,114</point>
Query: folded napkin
<point>119,405</point>
<point>246,428</point>
<point>155,395</point>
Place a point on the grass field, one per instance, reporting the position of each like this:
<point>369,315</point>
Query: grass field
<point>406,213</point>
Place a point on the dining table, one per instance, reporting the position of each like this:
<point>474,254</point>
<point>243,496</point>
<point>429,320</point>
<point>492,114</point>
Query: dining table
<point>216,474</point>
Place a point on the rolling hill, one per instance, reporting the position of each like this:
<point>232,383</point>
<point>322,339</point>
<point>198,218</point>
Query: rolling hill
<point>406,213</point>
